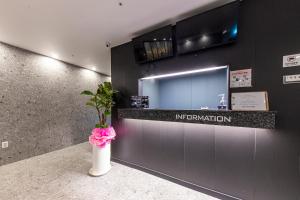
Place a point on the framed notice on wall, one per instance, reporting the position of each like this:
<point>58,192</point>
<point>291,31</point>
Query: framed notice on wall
<point>291,60</point>
<point>250,101</point>
<point>241,78</point>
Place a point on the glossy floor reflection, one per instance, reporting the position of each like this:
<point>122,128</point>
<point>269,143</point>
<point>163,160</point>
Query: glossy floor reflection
<point>63,175</point>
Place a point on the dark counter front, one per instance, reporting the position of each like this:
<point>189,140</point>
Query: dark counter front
<point>251,119</point>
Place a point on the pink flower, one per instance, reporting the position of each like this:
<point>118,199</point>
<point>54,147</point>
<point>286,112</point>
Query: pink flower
<point>102,136</point>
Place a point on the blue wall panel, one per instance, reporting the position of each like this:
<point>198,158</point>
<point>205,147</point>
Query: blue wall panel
<point>187,92</point>
<point>175,93</point>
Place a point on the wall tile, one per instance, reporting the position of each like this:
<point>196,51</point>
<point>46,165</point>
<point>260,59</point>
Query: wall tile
<point>40,103</point>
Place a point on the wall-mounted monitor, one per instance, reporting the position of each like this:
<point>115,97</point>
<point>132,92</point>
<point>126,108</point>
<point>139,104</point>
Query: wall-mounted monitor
<point>212,28</point>
<point>154,46</point>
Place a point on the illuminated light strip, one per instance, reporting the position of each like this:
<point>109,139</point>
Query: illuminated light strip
<point>185,72</point>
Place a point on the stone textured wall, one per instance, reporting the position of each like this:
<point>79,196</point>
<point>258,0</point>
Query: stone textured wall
<point>41,108</point>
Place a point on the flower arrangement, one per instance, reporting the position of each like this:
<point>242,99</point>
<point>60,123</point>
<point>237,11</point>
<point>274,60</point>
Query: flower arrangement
<point>102,100</point>
<point>102,136</point>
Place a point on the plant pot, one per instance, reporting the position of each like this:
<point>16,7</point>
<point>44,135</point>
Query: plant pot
<point>101,160</point>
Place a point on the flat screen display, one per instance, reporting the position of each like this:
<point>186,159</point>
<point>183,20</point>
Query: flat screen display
<point>212,28</point>
<point>154,46</point>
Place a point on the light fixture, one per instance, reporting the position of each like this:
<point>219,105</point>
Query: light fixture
<point>54,55</point>
<point>204,38</point>
<point>51,66</point>
<point>88,73</point>
<point>188,43</point>
<point>234,31</point>
<point>185,72</point>
<point>91,67</point>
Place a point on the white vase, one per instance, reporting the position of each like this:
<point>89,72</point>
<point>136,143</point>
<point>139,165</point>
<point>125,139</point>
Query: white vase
<point>101,160</point>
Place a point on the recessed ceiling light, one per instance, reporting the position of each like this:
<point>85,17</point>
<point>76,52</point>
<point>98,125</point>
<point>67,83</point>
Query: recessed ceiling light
<point>54,55</point>
<point>204,38</point>
<point>91,67</point>
<point>188,43</point>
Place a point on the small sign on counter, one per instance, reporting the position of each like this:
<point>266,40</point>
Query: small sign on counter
<point>250,101</point>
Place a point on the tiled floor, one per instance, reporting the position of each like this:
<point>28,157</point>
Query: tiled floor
<point>63,175</point>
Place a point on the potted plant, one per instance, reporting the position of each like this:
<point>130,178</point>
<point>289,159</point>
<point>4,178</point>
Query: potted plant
<point>103,133</point>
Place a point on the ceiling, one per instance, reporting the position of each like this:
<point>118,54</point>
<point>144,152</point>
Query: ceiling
<point>76,31</point>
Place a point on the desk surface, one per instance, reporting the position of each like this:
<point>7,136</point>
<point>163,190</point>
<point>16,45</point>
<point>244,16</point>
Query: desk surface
<point>251,119</point>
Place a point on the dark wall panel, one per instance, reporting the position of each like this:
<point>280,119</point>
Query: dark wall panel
<point>247,163</point>
<point>234,155</point>
<point>199,151</point>
<point>172,149</point>
<point>152,144</point>
<point>276,165</point>
<point>130,143</point>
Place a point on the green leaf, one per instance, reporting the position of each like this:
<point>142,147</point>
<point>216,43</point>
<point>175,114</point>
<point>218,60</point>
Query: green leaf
<point>104,126</point>
<point>93,99</point>
<point>107,112</point>
<point>91,104</point>
<point>102,100</point>
<point>87,92</point>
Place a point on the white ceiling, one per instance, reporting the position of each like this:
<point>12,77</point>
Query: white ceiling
<point>76,31</point>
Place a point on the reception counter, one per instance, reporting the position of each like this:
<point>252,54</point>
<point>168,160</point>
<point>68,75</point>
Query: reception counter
<point>202,149</point>
<point>251,119</point>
